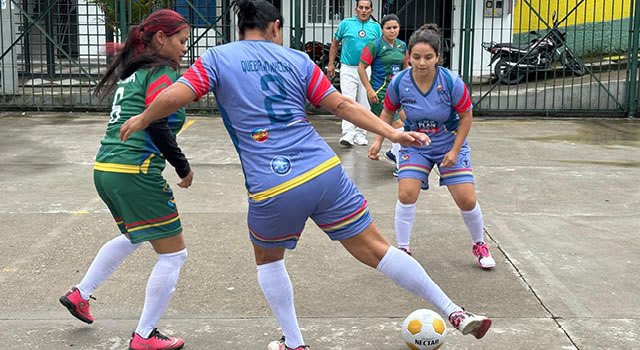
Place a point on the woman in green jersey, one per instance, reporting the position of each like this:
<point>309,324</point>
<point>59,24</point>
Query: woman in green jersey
<point>387,56</point>
<point>128,175</point>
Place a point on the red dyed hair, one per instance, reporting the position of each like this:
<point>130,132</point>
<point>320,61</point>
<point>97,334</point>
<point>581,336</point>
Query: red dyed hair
<point>133,53</point>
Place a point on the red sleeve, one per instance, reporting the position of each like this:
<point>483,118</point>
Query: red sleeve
<point>388,105</point>
<point>366,56</point>
<point>406,59</point>
<point>197,79</point>
<point>465,102</point>
<point>318,86</point>
<point>155,88</point>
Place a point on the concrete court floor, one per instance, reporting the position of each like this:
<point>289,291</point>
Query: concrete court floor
<point>562,214</point>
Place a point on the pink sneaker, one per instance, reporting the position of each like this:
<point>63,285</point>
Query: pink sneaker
<point>280,345</point>
<point>468,323</point>
<point>77,306</point>
<point>481,252</point>
<point>156,341</point>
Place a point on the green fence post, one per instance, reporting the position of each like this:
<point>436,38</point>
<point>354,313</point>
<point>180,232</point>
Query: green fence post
<point>123,20</point>
<point>633,60</point>
<point>467,41</point>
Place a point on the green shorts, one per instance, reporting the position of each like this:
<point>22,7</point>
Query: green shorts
<point>142,204</point>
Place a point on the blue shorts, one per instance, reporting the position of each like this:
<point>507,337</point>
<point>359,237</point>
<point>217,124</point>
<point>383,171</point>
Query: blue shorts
<point>417,164</point>
<point>331,200</point>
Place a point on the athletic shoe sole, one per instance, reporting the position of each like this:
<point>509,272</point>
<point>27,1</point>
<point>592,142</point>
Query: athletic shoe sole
<point>478,329</point>
<point>72,309</point>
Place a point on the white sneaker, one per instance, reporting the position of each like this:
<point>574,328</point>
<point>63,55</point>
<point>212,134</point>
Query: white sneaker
<point>481,252</point>
<point>360,140</point>
<point>347,139</point>
<point>468,323</point>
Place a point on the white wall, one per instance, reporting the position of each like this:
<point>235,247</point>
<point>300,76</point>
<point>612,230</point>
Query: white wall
<point>485,30</point>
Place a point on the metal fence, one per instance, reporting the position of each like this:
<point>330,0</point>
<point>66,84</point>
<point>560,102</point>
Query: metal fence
<point>517,56</point>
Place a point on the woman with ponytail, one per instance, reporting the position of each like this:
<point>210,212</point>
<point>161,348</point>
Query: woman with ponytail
<point>291,173</point>
<point>437,103</point>
<point>128,175</point>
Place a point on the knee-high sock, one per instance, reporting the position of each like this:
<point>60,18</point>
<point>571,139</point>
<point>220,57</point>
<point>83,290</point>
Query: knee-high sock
<point>276,286</point>
<point>475,223</point>
<point>160,288</point>
<point>395,149</point>
<point>406,272</point>
<point>405,214</point>
<point>110,256</point>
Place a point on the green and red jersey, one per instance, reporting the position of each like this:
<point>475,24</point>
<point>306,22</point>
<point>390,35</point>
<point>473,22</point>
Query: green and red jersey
<point>385,61</point>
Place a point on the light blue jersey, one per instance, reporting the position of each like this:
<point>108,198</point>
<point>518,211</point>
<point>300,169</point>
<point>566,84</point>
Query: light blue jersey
<point>354,35</point>
<point>261,89</point>
<point>435,112</point>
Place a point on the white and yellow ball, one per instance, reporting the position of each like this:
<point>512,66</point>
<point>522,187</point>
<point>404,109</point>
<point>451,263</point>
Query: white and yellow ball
<point>424,330</point>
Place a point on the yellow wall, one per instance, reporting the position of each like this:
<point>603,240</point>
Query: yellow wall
<point>525,20</point>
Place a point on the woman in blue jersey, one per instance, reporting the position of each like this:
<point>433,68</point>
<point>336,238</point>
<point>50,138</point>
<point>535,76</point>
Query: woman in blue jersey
<point>128,176</point>
<point>387,56</point>
<point>291,173</point>
<point>437,103</point>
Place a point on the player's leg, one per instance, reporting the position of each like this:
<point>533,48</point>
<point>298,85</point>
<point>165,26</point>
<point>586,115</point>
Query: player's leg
<point>361,97</point>
<point>413,176</point>
<point>275,224</point>
<point>349,81</point>
<point>370,248</point>
<point>153,216</point>
<point>109,257</point>
<point>459,181</point>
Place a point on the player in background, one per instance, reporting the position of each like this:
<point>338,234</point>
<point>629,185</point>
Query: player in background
<point>437,103</point>
<point>291,173</point>
<point>387,56</point>
<point>128,175</point>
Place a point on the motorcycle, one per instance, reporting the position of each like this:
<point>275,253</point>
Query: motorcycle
<point>319,54</point>
<point>514,62</point>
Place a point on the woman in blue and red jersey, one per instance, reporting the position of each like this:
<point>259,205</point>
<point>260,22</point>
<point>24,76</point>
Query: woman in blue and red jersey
<point>291,173</point>
<point>436,102</point>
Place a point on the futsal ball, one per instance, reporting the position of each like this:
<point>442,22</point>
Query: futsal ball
<point>424,330</point>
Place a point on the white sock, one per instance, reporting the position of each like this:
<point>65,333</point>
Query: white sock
<point>475,223</point>
<point>160,288</point>
<point>406,272</point>
<point>405,214</point>
<point>277,289</point>
<point>395,149</point>
<point>110,256</point>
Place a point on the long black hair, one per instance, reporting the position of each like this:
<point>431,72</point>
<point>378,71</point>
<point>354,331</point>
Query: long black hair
<point>133,54</point>
<point>255,14</point>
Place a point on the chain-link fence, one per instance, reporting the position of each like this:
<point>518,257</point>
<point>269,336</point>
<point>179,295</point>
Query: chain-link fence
<point>517,56</point>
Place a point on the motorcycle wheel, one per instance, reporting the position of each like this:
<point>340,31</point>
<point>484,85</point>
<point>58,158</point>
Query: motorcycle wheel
<point>515,76</point>
<point>571,62</point>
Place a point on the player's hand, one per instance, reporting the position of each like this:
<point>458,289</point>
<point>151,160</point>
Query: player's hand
<point>132,125</point>
<point>411,138</point>
<point>185,182</point>
<point>449,159</point>
<point>372,96</point>
<point>331,70</point>
<point>374,149</point>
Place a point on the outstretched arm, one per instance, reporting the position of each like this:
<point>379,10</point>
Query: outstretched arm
<point>349,110</point>
<point>168,101</point>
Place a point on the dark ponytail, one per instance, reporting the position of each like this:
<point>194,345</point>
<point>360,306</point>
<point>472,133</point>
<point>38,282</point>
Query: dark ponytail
<point>427,34</point>
<point>133,54</point>
<point>255,14</point>
<point>389,17</point>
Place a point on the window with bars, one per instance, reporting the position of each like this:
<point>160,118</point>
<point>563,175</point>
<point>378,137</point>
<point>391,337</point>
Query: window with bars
<point>321,11</point>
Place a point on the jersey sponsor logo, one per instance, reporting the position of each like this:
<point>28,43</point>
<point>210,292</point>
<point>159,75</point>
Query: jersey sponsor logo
<point>266,66</point>
<point>362,33</point>
<point>427,126</point>
<point>405,100</point>
<point>405,157</point>
<point>281,165</point>
<point>260,135</point>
